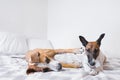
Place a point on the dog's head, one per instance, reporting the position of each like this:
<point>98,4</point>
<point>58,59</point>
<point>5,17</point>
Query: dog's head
<point>92,49</point>
<point>43,60</point>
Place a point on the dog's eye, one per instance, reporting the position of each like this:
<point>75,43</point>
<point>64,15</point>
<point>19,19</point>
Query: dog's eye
<point>47,60</point>
<point>95,55</point>
<point>88,50</point>
<point>96,50</point>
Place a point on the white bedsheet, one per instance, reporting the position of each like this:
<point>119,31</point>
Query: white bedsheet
<point>13,68</point>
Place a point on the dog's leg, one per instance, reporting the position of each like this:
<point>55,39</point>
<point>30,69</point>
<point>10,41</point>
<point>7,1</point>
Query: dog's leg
<point>89,70</point>
<point>34,68</point>
<point>71,65</point>
<point>99,66</point>
<point>97,69</point>
<point>86,65</point>
<point>99,63</point>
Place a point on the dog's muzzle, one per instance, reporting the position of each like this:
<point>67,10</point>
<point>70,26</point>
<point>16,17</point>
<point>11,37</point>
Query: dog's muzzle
<point>53,65</point>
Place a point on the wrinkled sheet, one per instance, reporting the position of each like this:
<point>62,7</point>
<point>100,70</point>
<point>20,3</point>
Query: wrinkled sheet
<point>13,67</point>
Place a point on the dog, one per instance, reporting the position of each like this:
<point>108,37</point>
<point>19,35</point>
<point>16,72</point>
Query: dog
<point>94,59</point>
<point>42,60</point>
<point>91,58</point>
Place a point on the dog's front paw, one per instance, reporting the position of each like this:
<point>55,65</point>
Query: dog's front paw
<point>79,50</point>
<point>93,72</point>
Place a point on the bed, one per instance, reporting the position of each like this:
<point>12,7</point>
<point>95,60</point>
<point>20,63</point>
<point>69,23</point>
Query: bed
<point>13,65</point>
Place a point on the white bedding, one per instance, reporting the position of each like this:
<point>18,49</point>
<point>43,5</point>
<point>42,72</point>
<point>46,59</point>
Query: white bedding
<point>14,68</point>
<point>11,43</point>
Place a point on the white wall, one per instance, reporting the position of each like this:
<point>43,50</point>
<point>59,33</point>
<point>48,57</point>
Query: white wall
<point>67,19</point>
<point>28,17</point>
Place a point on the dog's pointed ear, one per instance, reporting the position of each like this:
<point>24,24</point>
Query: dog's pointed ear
<point>83,40</point>
<point>100,38</point>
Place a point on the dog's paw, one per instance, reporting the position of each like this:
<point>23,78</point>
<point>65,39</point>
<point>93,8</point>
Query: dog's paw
<point>93,72</point>
<point>79,50</point>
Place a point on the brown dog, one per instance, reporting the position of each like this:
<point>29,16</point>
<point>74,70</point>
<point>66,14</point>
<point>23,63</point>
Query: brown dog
<point>43,60</point>
<point>93,63</point>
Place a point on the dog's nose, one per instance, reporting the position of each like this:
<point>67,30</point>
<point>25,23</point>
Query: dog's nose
<point>92,63</point>
<point>59,66</point>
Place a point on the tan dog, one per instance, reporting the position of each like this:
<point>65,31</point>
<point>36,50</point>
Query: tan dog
<point>43,60</point>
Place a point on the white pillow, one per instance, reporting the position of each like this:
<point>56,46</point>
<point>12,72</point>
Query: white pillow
<point>12,43</point>
<point>34,43</point>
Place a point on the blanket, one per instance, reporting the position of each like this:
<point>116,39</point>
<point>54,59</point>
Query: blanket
<point>13,67</point>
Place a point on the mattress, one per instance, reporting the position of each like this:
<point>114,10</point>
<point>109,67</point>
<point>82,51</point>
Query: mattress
<point>13,67</point>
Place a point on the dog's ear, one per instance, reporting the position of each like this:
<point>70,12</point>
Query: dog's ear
<point>30,71</point>
<point>83,40</point>
<point>100,38</point>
